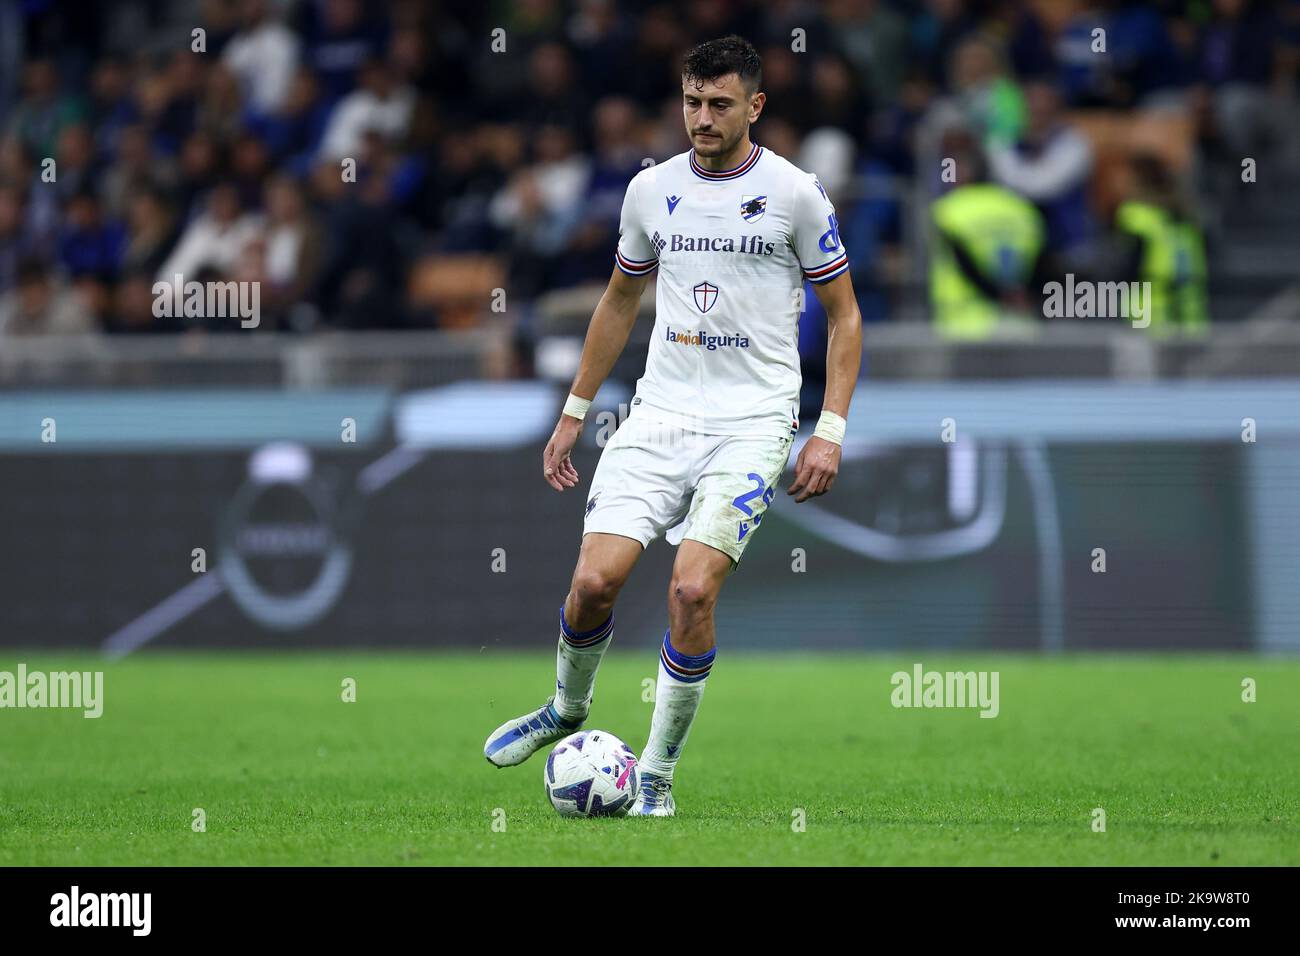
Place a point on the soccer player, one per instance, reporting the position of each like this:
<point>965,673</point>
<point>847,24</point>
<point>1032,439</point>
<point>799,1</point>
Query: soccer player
<point>733,230</point>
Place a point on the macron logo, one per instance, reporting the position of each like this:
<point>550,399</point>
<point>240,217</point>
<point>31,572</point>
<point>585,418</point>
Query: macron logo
<point>672,203</point>
<point>102,909</point>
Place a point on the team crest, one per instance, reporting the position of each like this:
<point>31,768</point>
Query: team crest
<point>705,296</point>
<point>752,208</point>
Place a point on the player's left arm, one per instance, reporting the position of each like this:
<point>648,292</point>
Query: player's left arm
<point>819,461</point>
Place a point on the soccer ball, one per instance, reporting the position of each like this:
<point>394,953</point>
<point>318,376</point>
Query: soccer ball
<point>591,774</point>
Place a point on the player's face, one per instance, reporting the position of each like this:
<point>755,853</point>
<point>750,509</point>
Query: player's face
<point>718,113</point>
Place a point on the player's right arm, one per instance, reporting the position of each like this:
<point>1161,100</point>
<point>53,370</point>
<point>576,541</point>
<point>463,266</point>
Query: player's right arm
<point>611,324</point>
<point>607,335</point>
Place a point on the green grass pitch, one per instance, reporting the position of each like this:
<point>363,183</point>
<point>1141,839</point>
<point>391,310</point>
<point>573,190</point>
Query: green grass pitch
<point>287,773</point>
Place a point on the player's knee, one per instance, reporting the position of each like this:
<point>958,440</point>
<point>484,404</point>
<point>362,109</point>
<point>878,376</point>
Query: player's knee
<point>691,596</point>
<point>594,590</point>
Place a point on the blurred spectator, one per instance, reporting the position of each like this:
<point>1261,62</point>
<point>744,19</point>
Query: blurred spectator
<point>935,33</point>
<point>1049,164</point>
<point>539,208</point>
<point>340,40</point>
<point>215,239</point>
<point>467,172</point>
<point>836,101</point>
<point>617,159</point>
<point>44,111</point>
<point>830,151</point>
<point>987,95</point>
<point>39,305</point>
<point>263,55</point>
<point>362,279</point>
<point>151,232</point>
<point>292,250</point>
<point>1139,63</point>
<point>200,165</point>
<point>600,39</point>
<point>94,295</point>
<point>136,167</point>
<point>380,105</point>
<point>1237,62</point>
<point>1236,45</point>
<point>652,74</point>
<point>554,96</point>
<point>75,161</point>
<point>112,106</point>
<point>873,38</point>
<point>177,91</point>
<point>1150,67</point>
<point>987,258</point>
<point>219,110</point>
<point>1164,246</point>
<point>131,310</point>
<point>782,82</point>
<point>15,164</point>
<point>90,246</point>
<point>16,242</point>
<point>250,165</point>
<point>293,132</point>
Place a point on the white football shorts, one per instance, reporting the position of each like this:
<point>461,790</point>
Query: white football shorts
<point>657,479</point>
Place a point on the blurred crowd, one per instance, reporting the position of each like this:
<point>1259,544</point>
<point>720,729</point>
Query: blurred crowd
<point>490,143</point>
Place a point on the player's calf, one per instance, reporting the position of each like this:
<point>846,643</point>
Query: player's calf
<point>677,698</point>
<point>577,658</point>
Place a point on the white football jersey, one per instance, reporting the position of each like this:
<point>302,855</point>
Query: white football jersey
<point>733,249</point>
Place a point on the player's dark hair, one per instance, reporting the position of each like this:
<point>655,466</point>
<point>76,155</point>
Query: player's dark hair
<point>716,58</point>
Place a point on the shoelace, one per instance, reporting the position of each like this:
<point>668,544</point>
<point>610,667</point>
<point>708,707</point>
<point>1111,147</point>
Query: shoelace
<point>661,787</point>
<point>527,726</point>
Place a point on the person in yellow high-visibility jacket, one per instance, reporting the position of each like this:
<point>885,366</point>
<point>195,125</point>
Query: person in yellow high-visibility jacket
<point>1166,248</point>
<point>987,250</point>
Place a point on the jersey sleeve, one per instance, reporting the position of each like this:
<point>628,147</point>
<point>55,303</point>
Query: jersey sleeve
<point>815,233</point>
<point>635,255</point>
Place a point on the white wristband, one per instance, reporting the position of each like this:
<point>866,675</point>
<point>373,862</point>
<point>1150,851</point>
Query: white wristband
<point>830,427</point>
<point>577,407</point>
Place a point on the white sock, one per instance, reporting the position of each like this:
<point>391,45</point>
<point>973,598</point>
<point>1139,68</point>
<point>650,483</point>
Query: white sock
<point>677,697</point>
<point>576,660</point>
